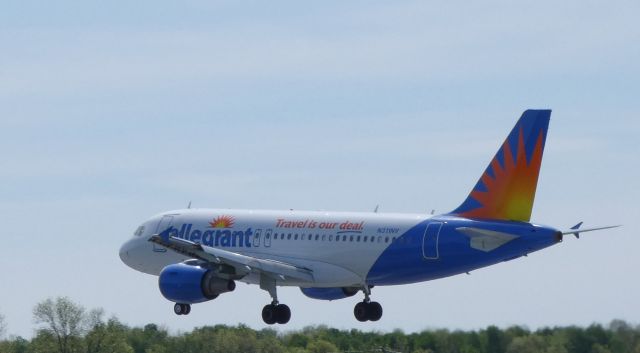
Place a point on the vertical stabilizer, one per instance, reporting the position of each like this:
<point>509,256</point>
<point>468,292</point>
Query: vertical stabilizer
<point>507,187</point>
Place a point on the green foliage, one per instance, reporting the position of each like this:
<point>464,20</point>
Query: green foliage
<point>113,336</point>
<point>66,327</point>
<point>321,346</point>
<point>15,345</point>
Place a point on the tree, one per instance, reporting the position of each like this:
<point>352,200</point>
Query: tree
<point>3,326</point>
<point>527,344</point>
<point>106,337</point>
<point>15,345</point>
<point>321,346</point>
<point>147,338</point>
<point>63,320</point>
<point>494,340</point>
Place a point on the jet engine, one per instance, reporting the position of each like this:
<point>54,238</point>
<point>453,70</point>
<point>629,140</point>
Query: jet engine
<point>330,293</point>
<point>188,284</point>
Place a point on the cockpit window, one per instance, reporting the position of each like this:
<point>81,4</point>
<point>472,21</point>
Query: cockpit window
<point>139,231</point>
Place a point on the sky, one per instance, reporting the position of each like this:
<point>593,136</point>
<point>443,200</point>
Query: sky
<point>113,111</point>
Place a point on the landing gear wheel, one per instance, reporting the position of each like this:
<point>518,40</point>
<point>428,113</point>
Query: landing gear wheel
<point>367,311</point>
<point>269,314</point>
<point>374,311</point>
<point>276,313</point>
<point>360,312</point>
<point>182,309</point>
<point>283,314</point>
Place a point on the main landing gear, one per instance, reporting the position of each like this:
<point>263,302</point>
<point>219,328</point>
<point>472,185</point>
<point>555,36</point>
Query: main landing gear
<point>182,309</point>
<point>367,310</point>
<point>274,313</point>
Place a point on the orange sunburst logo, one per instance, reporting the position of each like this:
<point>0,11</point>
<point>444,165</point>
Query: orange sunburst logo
<point>222,222</point>
<point>509,189</point>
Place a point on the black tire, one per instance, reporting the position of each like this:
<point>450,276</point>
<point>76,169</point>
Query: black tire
<point>269,314</point>
<point>283,314</point>
<point>187,309</point>
<point>360,312</point>
<point>374,311</point>
<point>177,309</point>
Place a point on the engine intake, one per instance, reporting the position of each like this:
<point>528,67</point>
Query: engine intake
<point>188,284</point>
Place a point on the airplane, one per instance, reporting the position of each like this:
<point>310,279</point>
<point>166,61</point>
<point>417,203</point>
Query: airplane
<point>199,254</point>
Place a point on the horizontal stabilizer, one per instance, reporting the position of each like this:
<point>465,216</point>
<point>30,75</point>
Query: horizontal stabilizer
<point>484,239</point>
<point>576,231</point>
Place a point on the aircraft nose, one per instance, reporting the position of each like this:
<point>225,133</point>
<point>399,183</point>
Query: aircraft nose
<point>124,252</point>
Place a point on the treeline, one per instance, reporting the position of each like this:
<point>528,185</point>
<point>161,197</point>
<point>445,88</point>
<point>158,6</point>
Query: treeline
<point>66,327</point>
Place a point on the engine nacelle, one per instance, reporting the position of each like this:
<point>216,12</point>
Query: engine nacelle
<point>330,293</point>
<point>188,284</point>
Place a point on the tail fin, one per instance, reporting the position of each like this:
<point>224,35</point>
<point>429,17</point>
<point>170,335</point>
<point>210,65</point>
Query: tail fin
<point>507,187</point>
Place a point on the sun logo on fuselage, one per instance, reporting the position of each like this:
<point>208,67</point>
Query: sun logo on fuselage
<point>222,222</point>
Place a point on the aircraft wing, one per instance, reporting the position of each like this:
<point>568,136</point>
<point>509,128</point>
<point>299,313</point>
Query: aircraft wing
<point>484,239</point>
<point>243,264</point>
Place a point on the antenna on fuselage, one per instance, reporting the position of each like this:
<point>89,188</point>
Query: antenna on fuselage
<point>375,210</point>
<point>433,212</point>
<point>189,205</point>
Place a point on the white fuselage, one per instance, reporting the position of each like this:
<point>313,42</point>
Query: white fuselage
<point>339,247</point>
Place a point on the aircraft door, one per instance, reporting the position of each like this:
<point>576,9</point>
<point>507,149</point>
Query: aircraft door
<point>164,223</point>
<point>430,241</point>
<point>256,238</point>
<point>267,237</point>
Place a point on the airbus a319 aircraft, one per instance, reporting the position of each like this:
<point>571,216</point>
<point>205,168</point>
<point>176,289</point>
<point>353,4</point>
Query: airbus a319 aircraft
<point>198,254</point>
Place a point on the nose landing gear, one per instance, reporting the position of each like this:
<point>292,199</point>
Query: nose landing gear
<point>182,309</point>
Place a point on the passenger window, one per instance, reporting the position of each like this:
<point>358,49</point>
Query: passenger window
<point>351,238</point>
<point>331,237</point>
<point>317,236</point>
<point>324,236</point>
<point>296,237</point>
<point>289,236</point>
